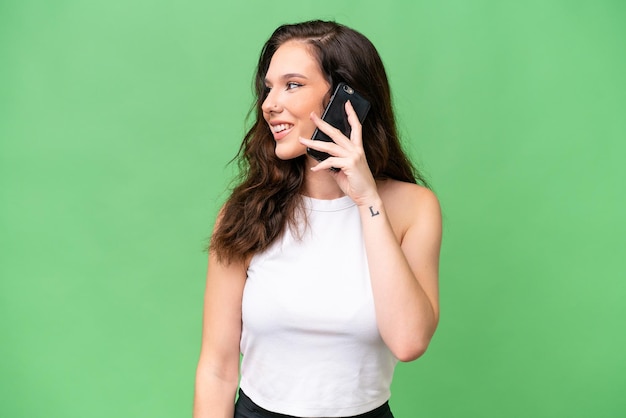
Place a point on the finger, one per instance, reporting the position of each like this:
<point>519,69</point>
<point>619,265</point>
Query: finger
<point>332,163</point>
<point>334,133</point>
<point>323,146</point>
<point>355,124</point>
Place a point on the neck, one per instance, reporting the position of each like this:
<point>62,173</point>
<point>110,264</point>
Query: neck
<point>321,184</point>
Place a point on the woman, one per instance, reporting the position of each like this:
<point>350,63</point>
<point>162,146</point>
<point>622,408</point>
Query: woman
<point>323,279</point>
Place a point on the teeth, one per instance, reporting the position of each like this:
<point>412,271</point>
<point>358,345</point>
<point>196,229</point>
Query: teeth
<point>281,127</point>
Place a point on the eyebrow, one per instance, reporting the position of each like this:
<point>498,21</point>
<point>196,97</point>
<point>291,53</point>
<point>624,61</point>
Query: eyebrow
<point>290,75</point>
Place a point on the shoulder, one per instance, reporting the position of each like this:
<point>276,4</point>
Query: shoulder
<point>394,190</point>
<point>407,197</point>
<point>219,253</point>
<point>409,205</point>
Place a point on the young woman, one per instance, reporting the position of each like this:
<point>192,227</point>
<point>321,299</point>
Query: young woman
<point>322,279</point>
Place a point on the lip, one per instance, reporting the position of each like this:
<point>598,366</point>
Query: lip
<point>280,135</point>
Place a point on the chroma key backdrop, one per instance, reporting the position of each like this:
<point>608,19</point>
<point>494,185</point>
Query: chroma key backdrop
<point>117,122</point>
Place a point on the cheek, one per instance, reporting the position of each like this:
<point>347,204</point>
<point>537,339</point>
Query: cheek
<point>307,127</point>
<point>315,104</point>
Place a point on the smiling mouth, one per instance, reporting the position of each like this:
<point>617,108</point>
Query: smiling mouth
<point>282,127</point>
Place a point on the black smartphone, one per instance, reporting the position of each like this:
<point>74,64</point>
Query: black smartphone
<point>335,114</point>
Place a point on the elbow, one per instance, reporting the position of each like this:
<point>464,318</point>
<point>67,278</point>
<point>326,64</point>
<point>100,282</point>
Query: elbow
<point>410,343</point>
<point>409,352</point>
<point>225,375</point>
<point>411,347</point>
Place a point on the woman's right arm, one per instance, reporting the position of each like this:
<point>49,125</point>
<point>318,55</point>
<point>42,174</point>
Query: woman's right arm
<point>217,375</point>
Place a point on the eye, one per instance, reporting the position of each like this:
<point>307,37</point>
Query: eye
<point>292,85</point>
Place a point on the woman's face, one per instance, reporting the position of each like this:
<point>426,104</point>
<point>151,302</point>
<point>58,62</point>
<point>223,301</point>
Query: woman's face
<point>296,87</point>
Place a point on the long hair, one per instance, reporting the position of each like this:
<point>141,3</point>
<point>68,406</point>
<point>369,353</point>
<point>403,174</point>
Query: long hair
<point>267,197</point>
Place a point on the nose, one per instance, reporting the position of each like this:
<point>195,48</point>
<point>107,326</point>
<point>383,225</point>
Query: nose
<point>271,104</point>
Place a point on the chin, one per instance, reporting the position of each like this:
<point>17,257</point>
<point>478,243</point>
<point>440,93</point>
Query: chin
<point>289,153</point>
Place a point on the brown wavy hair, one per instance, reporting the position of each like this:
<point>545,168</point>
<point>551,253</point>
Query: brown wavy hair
<point>267,196</point>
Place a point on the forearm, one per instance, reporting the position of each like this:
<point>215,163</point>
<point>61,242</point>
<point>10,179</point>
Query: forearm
<point>214,395</point>
<point>405,315</point>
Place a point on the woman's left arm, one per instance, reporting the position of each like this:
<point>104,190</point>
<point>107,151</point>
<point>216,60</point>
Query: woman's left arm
<point>404,272</point>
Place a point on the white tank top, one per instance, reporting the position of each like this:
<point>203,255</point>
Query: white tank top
<point>310,343</point>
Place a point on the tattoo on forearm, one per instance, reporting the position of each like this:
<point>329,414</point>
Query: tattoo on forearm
<point>372,211</point>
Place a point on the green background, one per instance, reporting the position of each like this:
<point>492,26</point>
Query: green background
<point>118,118</point>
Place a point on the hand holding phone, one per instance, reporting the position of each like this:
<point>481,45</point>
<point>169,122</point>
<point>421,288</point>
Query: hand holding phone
<point>335,115</point>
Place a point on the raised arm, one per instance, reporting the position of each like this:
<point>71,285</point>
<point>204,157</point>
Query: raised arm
<point>402,232</point>
<point>404,271</point>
